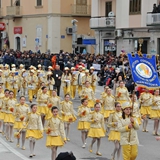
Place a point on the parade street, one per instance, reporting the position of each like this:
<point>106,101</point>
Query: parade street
<point>148,147</point>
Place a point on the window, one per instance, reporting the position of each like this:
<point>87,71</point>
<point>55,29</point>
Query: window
<point>17,3</point>
<point>108,8</point>
<point>135,7</point>
<point>39,2</point>
<point>81,2</point>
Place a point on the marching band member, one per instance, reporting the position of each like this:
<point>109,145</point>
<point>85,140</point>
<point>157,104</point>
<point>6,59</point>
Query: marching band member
<point>50,69</point>
<point>127,126</point>
<point>88,92</point>
<point>102,98</point>
<point>79,79</point>
<point>94,79</point>
<point>135,110</point>
<point>13,82</point>
<point>109,106</point>
<point>42,100</point>
<point>40,89</point>
<point>21,112</point>
<point>114,135</point>
<point>122,94</point>
<point>53,100</point>
<point>73,83</point>
<point>32,81</point>
<point>23,82</point>
<point>146,103</point>
<point>55,132</point>
<point>3,111</point>
<point>66,79</point>
<point>34,128</point>
<point>86,77</point>
<point>6,74</point>
<point>155,111</point>
<point>66,108</point>
<point>1,108</point>
<point>2,79</point>
<point>9,118</point>
<point>40,68</point>
<point>97,128</point>
<point>49,82</point>
<point>21,67</point>
<point>83,123</point>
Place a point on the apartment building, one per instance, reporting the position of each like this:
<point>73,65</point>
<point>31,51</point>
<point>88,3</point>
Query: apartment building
<point>44,24</point>
<point>124,24</point>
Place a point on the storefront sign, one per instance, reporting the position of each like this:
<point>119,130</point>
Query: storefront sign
<point>17,30</point>
<point>2,26</point>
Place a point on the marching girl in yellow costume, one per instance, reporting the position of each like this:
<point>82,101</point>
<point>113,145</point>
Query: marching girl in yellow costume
<point>9,118</point>
<point>155,111</point>
<point>109,105</point>
<point>146,99</point>
<point>53,100</point>
<point>32,82</point>
<point>1,108</point>
<point>66,108</point>
<point>97,128</point>
<point>73,83</point>
<point>49,81</point>
<point>34,128</point>
<point>122,94</point>
<point>86,77</point>
<point>93,79</point>
<point>114,135</point>
<point>66,81</point>
<point>21,113</point>
<point>88,93</point>
<point>84,117</point>
<point>55,132</point>
<point>6,74</point>
<point>3,111</point>
<point>136,111</point>
<point>2,79</point>
<point>42,100</point>
<point>13,82</point>
<point>127,126</point>
<point>23,82</point>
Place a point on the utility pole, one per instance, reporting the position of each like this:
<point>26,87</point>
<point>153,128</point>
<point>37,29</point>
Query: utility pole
<point>74,34</point>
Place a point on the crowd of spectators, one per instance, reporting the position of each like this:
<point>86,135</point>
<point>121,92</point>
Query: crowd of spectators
<point>112,67</point>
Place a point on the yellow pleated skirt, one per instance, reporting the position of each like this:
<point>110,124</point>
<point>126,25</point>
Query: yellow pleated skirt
<point>69,118</point>
<point>114,136</point>
<point>32,133</point>
<point>19,125</point>
<point>9,118</point>
<point>96,133</point>
<point>2,115</point>
<point>43,110</point>
<point>145,110</point>
<point>107,113</point>
<point>155,113</point>
<point>82,125</point>
<point>56,141</point>
<point>90,103</point>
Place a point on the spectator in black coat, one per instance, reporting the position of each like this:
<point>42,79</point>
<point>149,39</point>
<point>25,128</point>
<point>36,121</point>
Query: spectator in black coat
<point>57,75</point>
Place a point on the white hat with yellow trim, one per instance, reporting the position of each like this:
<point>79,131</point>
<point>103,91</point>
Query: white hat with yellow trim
<point>126,105</point>
<point>66,68</point>
<point>50,67</point>
<point>39,66</point>
<point>92,68</point>
<point>13,65</point>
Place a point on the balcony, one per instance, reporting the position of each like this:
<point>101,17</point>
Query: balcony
<point>14,11</point>
<point>81,10</point>
<point>153,19</point>
<point>103,22</point>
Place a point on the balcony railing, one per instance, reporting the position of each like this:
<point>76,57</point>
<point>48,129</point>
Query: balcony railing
<point>153,19</point>
<point>81,10</point>
<point>15,11</point>
<point>102,22</point>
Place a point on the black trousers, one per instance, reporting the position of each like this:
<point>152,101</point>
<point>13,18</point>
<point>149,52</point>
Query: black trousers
<point>58,89</point>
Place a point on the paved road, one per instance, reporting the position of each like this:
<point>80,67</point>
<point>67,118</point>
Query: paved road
<point>148,148</point>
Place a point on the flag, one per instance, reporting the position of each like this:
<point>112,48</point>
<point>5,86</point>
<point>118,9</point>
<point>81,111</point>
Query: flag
<point>144,70</point>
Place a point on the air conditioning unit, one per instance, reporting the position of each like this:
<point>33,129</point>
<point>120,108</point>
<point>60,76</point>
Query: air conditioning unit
<point>119,33</point>
<point>110,22</point>
<point>3,35</point>
<point>69,30</point>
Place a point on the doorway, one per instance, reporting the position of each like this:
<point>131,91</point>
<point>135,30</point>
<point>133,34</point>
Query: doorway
<point>18,43</point>
<point>144,47</point>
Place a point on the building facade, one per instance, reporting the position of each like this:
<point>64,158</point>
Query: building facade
<point>44,24</point>
<point>122,24</point>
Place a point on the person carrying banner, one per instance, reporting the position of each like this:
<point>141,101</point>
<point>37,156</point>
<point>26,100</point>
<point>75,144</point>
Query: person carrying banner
<point>146,101</point>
